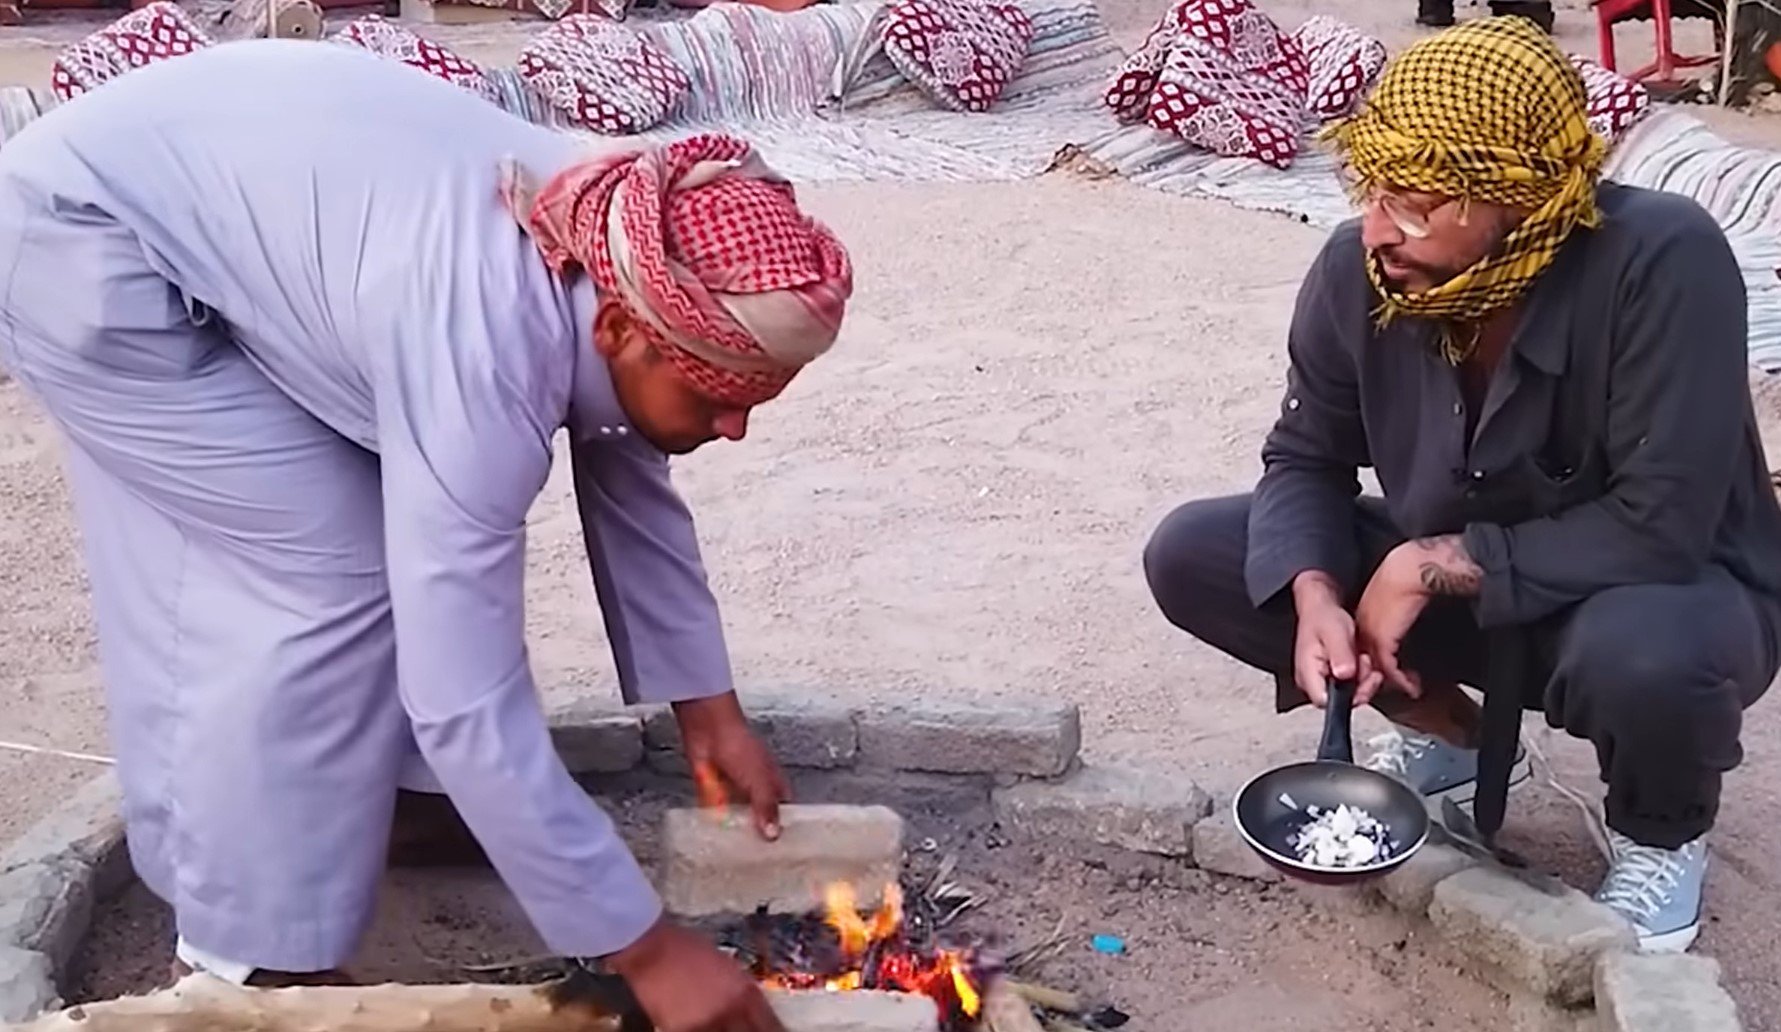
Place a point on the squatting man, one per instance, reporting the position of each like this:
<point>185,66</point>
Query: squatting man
<point>1548,374</point>
<point>308,370</point>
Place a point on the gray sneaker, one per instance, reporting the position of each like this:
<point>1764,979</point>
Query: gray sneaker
<point>1658,890</point>
<point>1432,767</point>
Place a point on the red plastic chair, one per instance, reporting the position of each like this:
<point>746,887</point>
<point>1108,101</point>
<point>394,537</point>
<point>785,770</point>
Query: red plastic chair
<point>1610,12</point>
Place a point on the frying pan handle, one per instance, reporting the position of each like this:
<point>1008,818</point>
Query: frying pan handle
<point>1338,724</point>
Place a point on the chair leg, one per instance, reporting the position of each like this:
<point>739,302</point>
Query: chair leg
<point>1666,51</point>
<point>1605,40</point>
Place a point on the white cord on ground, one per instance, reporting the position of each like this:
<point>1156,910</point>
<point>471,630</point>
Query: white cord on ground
<point>43,750</point>
<point>1593,820</point>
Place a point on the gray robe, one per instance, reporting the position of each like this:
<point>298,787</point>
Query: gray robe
<point>308,372</point>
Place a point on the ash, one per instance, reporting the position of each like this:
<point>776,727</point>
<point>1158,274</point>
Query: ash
<point>1347,836</point>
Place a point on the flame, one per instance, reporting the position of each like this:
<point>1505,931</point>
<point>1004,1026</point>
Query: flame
<point>944,974</point>
<point>708,785</point>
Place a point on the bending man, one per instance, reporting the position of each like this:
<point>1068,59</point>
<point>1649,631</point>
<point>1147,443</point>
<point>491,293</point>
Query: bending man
<point>308,365</point>
<point>1549,377</point>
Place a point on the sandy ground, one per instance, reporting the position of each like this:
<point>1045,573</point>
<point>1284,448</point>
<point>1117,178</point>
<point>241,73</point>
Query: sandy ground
<point>955,500</point>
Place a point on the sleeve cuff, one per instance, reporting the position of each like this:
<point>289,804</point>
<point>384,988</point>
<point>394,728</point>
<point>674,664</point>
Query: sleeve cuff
<point>1488,546</point>
<point>625,907</point>
<point>1267,572</point>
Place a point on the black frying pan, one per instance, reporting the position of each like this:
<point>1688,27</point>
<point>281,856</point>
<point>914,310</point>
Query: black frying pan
<point>1267,822</point>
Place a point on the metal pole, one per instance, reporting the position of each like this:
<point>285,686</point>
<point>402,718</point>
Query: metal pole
<point>1725,59</point>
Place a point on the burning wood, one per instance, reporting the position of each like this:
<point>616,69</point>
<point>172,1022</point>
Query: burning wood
<point>843,949</point>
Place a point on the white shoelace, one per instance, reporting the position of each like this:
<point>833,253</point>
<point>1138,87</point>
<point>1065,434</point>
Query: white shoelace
<point>1642,879</point>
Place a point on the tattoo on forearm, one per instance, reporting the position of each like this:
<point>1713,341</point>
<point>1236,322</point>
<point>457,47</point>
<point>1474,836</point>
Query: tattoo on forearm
<point>1447,569</point>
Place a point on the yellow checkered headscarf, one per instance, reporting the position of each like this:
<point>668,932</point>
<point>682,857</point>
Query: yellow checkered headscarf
<point>1489,111</point>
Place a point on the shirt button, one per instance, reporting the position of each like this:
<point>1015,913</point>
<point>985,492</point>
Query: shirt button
<point>623,430</point>
<point>1458,409</point>
<point>1477,474</point>
<point>1292,403</point>
<point>605,431</point>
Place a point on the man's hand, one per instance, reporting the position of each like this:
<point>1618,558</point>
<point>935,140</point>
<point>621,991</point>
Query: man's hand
<point>1324,647</point>
<point>1400,590</point>
<point>685,984</point>
<point>716,738</point>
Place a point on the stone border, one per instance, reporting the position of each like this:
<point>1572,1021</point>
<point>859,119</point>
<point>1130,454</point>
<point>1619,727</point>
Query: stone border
<point>1553,954</point>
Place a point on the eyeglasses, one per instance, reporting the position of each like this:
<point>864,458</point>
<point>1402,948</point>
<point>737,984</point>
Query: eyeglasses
<point>1410,215</point>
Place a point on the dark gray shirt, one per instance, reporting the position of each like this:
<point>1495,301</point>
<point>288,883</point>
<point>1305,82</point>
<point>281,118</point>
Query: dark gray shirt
<point>1617,442</point>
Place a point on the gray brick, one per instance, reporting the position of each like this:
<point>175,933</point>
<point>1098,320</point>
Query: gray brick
<point>87,828</point>
<point>1411,888</point>
<point>1219,849</point>
<point>27,985</point>
<point>595,737</point>
<point>1109,806</point>
<point>1662,993</point>
<point>47,907</point>
<point>818,1011</point>
<point>714,862</point>
<point>1039,738</point>
<point>802,730</point>
<point>1524,939</point>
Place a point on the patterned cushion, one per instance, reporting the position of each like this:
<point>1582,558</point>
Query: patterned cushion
<point>603,76</point>
<point>961,53</point>
<point>1616,103</point>
<point>387,39</point>
<point>1344,64</point>
<point>1129,92</point>
<point>153,33</point>
<point>1233,84</point>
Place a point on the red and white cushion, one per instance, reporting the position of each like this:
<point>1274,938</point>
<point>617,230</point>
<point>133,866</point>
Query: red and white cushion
<point>148,34</point>
<point>1233,84</point>
<point>1344,63</point>
<point>961,53</point>
<point>1129,92</point>
<point>1616,103</point>
<point>603,76</point>
<point>388,39</point>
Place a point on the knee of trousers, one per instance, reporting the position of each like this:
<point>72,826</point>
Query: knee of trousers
<point>1622,677</point>
<point>1182,560</point>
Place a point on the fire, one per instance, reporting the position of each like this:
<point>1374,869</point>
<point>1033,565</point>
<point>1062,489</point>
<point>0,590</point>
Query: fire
<point>876,955</point>
<point>708,786</point>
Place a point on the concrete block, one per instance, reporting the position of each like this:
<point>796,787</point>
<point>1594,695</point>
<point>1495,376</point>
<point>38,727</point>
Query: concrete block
<point>87,828</point>
<point>46,908</point>
<point>27,985</point>
<point>821,1011</point>
<point>1219,849</point>
<point>1109,806</point>
<point>714,862</point>
<point>802,730</point>
<point>1524,939</point>
<point>1036,738</point>
<point>1648,992</point>
<point>1411,888</point>
<point>594,737</point>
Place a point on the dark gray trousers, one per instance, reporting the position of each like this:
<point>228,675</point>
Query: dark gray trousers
<point>1656,676</point>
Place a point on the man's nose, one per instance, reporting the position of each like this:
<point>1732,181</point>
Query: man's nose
<point>1377,229</point>
<point>732,426</point>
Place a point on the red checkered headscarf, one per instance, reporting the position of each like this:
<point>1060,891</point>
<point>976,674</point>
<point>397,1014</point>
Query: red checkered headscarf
<point>706,246</point>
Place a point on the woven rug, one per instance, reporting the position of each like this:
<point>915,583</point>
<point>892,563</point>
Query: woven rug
<point>770,76</point>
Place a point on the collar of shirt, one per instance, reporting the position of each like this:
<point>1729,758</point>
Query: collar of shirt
<point>594,411</point>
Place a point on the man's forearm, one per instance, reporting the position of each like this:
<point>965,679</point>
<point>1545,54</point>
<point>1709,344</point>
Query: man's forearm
<point>1445,568</point>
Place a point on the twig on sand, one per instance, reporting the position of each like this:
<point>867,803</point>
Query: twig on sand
<point>1005,1010</point>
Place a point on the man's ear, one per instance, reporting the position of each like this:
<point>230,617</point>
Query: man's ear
<point>611,326</point>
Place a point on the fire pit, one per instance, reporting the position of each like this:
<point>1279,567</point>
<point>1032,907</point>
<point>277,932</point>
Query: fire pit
<point>843,949</point>
<point>1035,881</point>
